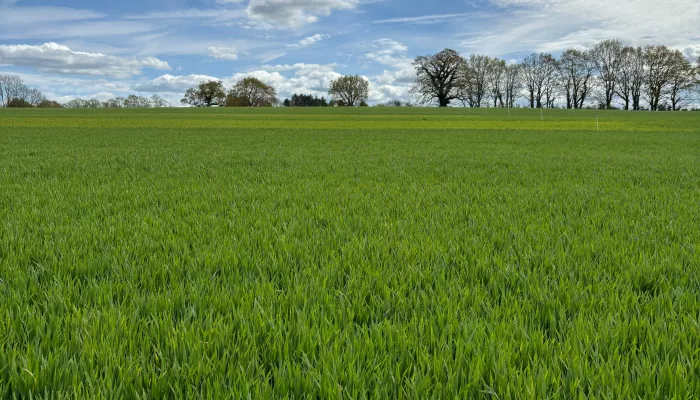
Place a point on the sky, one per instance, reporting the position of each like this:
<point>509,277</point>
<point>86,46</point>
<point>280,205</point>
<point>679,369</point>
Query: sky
<point>104,49</point>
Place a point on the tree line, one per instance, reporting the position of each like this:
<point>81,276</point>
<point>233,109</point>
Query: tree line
<point>131,101</point>
<point>350,91</point>
<point>608,75</point>
<point>657,77</point>
<point>14,93</point>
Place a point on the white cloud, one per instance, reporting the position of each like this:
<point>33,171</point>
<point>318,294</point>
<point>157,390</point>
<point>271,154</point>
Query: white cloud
<point>393,83</point>
<point>294,13</point>
<point>271,55</point>
<point>224,53</point>
<point>389,52</point>
<point>423,19</point>
<point>691,51</point>
<point>172,84</point>
<point>307,78</point>
<point>31,15</point>
<point>80,29</point>
<point>554,25</point>
<point>309,40</point>
<point>216,14</point>
<point>58,59</point>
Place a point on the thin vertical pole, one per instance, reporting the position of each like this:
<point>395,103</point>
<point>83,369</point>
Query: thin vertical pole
<point>597,125</point>
<point>542,114</point>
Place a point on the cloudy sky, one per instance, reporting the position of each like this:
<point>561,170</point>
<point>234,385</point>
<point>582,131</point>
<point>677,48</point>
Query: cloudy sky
<point>102,49</point>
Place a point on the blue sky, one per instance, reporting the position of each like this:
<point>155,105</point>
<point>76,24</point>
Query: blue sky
<point>79,48</point>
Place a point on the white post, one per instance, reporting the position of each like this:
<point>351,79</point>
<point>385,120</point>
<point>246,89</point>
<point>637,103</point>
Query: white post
<point>542,114</point>
<point>597,125</point>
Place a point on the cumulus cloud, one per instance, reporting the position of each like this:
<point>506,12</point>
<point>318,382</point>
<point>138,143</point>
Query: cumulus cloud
<point>225,53</point>
<point>172,84</point>
<point>395,82</point>
<point>306,78</point>
<point>294,13</point>
<point>59,59</point>
<point>309,40</point>
<point>389,52</point>
<point>691,51</point>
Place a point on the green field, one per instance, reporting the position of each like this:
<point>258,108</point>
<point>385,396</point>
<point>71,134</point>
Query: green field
<point>349,253</point>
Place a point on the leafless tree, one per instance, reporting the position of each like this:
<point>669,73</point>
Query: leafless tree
<point>512,84</point>
<point>682,83</point>
<point>158,102</point>
<point>117,102</point>
<point>35,97</point>
<point>11,87</point>
<point>476,73</point>
<point>660,64</point>
<point>539,71</point>
<point>495,82</point>
<point>607,56</point>
<point>439,77</point>
<point>631,77</point>
<point>576,74</point>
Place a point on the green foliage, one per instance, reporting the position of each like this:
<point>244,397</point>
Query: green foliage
<point>251,92</point>
<point>19,103</point>
<point>349,90</point>
<point>305,100</point>
<point>49,104</point>
<point>206,94</point>
<point>349,253</point>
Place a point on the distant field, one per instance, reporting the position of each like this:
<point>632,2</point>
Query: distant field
<point>349,253</point>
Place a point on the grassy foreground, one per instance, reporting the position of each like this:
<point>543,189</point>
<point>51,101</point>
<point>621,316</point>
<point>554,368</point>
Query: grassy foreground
<point>374,253</point>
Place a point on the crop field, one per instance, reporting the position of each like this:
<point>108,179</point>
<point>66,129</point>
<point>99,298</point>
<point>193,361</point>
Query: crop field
<point>349,253</point>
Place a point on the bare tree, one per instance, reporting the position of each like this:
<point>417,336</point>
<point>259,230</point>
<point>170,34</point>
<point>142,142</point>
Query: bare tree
<point>631,77</point>
<point>251,92</point>
<point>35,97</point>
<point>93,103</point>
<point>607,56</point>
<point>11,87</point>
<point>576,73</point>
<point>349,90</point>
<point>660,66</point>
<point>512,84</point>
<point>439,77</point>
<point>158,102</point>
<point>117,102</point>
<point>475,87</point>
<point>682,82</point>
<point>539,71</point>
<point>495,82</point>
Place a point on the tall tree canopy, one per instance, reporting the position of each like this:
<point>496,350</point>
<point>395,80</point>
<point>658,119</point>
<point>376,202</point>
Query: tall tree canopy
<point>206,94</point>
<point>251,92</point>
<point>576,70</point>
<point>607,57</point>
<point>439,77</point>
<point>349,90</point>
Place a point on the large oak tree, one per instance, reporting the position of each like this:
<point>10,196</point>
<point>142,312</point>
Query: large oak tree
<point>439,77</point>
